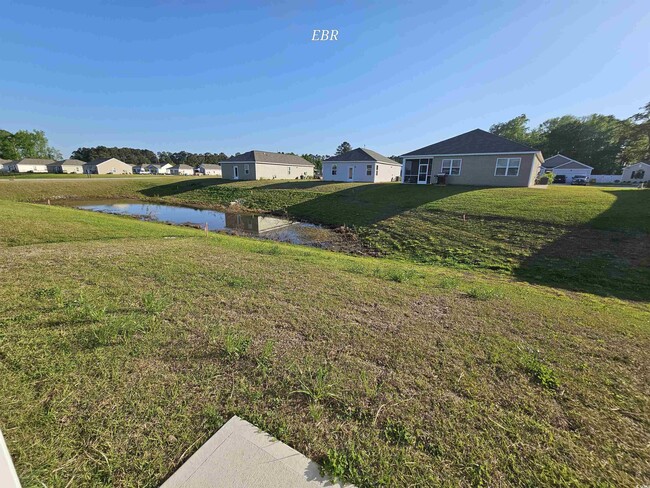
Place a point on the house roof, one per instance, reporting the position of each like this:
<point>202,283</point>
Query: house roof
<point>183,166</point>
<point>564,161</point>
<point>360,154</point>
<point>35,161</point>
<point>476,141</point>
<point>211,166</point>
<point>638,164</point>
<point>68,162</point>
<point>269,157</point>
<point>97,161</point>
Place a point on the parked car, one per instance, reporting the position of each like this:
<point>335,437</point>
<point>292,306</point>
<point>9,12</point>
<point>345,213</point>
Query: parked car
<point>559,179</point>
<point>579,180</point>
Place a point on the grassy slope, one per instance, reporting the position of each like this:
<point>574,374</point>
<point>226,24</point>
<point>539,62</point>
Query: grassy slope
<point>116,363</point>
<point>591,239</point>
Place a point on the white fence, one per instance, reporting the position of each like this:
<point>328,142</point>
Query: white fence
<point>606,178</point>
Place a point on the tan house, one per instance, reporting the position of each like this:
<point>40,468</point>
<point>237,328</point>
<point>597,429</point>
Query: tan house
<point>68,166</point>
<point>31,165</point>
<point>263,165</point>
<point>361,164</point>
<point>636,173</point>
<point>107,166</point>
<point>476,158</point>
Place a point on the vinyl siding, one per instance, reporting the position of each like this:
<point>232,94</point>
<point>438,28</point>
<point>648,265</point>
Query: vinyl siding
<point>387,172</point>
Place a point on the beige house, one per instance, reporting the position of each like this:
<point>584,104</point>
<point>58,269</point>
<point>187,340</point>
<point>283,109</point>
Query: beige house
<point>636,173</point>
<point>108,166</point>
<point>68,166</point>
<point>476,158</point>
<point>262,165</point>
<point>361,165</point>
<point>160,169</point>
<point>31,165</point>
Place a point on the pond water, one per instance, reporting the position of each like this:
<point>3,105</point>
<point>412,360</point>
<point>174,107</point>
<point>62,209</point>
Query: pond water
<point>261,226</point>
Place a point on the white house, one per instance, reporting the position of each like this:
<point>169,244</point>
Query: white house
<point>107,166</point>
<point>210,169</point>
<point>160,169</point>
<point>141,169</point>
<point>361,165</point>
<point>6,165</point>
<point>561,165</point>
<point>181,170</point>
<point>636,173</point>
<point>32,165</point>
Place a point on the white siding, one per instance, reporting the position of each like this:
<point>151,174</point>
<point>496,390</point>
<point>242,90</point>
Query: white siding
<point>386,173</point>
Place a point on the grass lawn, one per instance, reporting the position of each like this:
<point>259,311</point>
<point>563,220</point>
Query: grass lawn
<point>593,239</point>
<point>124,345</point>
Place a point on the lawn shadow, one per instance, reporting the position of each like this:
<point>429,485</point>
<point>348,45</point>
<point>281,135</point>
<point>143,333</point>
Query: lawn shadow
<point>178,187</point>
<point>609,256</point>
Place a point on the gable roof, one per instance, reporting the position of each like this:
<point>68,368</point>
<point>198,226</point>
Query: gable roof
<point>640,163</point>
<point>35,161</point>
<point>210,166</point>
<point>361,154</point>
<point>269,157</point>
<point>564,161</point>
<point>97,161</point>
<point>183,166</point>
<point>476,141</point>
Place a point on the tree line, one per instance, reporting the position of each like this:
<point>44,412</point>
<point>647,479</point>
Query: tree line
<point>602,141</point>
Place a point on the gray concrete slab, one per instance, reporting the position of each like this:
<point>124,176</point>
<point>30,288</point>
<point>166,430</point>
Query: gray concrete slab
<point>240,455</point>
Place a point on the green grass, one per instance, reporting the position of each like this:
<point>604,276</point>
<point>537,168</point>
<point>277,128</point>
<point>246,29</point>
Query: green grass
<point>121,352</point>
<point>592,239</point>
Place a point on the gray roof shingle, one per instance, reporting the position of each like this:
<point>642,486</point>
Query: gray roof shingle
<point>360,154</point>
<point>35,161</point>
<point>564,161</point>
<point>476,141</point>
<point>269,157</point>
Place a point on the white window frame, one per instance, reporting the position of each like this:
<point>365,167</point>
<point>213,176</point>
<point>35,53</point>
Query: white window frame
<point>376,169</point>
<point>454,163</point>
<point>246,169</point>
<point>334,169</point>
<point>368,169</point>
<point>509,163</point>
<point>289,168</point>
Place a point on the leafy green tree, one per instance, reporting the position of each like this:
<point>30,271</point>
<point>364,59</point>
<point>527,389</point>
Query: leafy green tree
<point>343,148</point>
<point>26,144</point>
<point>639,134</point>
<point>515,129</point>
<point>315,159</point>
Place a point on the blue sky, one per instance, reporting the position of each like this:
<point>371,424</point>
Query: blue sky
<point>200,75</point>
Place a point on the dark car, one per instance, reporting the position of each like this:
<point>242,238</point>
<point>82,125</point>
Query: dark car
<point>559,179</point>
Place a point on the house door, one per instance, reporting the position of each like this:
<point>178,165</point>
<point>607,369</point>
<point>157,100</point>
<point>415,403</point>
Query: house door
<point>422,173</point>
<point>235,172</point>
<point>350,173</point>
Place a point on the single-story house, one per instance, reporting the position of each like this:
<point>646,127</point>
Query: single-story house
<point>561,165</point>
<point>476,157</point>
<point>361,165</point>
<point>141,169</point>
<point>636,173</point>
<point>209,169</point>
<point>160,169</point>
<point>31,165</point>
<point>68,166</point>
<point>6,165</point>
<point>263,165</point>
<point>107,166</point>
<point>182,170</point>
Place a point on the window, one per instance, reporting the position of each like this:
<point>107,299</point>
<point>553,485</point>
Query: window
<point>289,170</point>
<point>334,168</point>
<point>507,167</point>
<point>368,169</point>
<point>246,169</point>
<point>376,170</point>
<point>451,166</point>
